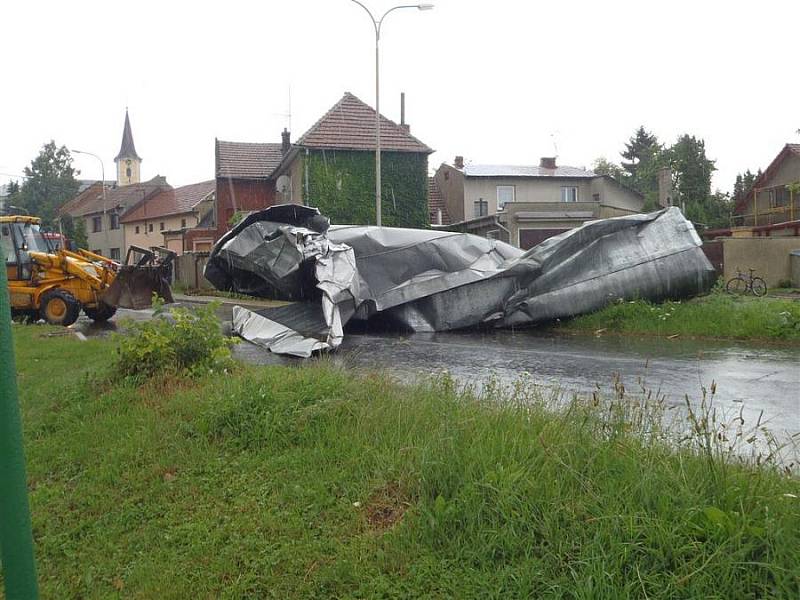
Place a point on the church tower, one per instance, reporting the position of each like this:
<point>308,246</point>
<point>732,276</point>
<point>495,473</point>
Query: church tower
<point>128,162</point>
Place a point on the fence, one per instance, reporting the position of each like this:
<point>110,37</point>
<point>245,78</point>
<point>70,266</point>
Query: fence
<point>189,270</point>
<point>769,256</point>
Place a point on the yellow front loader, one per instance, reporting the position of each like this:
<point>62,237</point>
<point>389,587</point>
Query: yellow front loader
<point>56,284</point>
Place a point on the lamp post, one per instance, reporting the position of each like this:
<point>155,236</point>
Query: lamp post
<point>102,185</point>
<point>377,24</point>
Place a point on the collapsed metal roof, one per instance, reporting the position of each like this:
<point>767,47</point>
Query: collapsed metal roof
<point>424,280</point>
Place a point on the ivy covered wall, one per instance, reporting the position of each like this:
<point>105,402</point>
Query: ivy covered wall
<point>341,183</point>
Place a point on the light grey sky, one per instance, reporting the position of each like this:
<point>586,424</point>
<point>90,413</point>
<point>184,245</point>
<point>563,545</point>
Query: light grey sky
<point>496,81</point>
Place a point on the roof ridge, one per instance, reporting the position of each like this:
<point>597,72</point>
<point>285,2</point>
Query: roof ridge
<point>385,121</point>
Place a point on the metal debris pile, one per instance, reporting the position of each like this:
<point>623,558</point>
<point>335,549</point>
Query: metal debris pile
<point>430,280</point>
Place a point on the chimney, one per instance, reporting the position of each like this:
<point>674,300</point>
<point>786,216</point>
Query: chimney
<point>547,162</point>
<point>286,144</point>
<point>458,163</point>
<point>665,192</point>
<point>403,124</point>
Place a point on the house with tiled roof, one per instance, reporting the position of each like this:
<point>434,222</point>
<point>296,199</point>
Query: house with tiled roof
<point>164,218</point>
<point>526,204</point>
<point>243,182</point>
<point>102,212</point>
<point>772,206</point>
<point>332,167</point>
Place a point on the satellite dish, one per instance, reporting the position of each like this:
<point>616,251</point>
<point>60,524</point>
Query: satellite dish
<point>284,184</point>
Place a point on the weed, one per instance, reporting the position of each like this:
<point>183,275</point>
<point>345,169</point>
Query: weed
<point>181,340</point>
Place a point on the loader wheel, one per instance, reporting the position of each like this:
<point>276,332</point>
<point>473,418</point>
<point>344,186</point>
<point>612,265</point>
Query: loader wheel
<point>100,313</point>
<point>59,307</point>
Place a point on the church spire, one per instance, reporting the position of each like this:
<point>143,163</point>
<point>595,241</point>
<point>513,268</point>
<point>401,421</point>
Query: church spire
<point>128,162</point>
<point>127,148</point>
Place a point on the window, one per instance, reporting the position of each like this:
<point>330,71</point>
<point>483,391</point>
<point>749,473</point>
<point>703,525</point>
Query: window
<point>150,227</point>
<point>481,208</point>
<point>778,196</point>
<point>128,172</point>
<point>161,226</point>
<point>114,254</point>
<point>137,229</point>
<point>114,220</point>
<point>596,197</point>
<point>569,194</point>
<point>505,194</point>
<point>183,223</point>
<point>7,244</point>
<point>97,224</point>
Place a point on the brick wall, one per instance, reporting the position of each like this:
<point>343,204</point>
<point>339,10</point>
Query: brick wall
<point>234,195</point>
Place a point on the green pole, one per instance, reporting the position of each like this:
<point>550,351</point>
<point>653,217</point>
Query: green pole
<point>16,539</point>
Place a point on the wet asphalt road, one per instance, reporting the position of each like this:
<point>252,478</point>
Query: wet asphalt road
<point>748,378</point>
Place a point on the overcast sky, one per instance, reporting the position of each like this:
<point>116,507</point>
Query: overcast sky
<point>500,81</point>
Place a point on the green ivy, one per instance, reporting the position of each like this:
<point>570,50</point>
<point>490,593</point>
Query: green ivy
<point>341,183</point>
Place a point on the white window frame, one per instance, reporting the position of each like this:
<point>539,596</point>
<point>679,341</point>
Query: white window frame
<point>565,193</point>
<point>500,205</point>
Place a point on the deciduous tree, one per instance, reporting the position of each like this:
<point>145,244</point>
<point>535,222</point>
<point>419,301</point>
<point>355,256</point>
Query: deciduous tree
<point>50,182</point>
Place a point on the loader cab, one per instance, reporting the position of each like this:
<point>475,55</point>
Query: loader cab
<point>19,236</point>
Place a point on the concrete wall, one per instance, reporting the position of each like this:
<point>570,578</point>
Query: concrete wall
<point>768,256</point>
<point>617,199</point>
<point>146,238</point>
<point>106,239</point>
<point>525,190</point>
<point>603,190</point>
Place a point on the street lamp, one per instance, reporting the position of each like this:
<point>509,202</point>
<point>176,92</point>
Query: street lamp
<point>102,184</point>
<point>377,23</point>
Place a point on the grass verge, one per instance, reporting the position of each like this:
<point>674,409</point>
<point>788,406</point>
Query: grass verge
<point>316,482</point>
<point>717,315</point>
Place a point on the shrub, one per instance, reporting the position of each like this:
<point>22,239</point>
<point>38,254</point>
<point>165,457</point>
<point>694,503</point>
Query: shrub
<point>179,341</point>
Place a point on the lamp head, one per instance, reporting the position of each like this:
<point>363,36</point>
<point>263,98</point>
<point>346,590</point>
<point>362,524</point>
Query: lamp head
<point>424,6</point>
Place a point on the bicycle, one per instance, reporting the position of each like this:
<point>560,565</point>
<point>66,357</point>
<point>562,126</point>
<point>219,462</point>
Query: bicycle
<point>742,284</point>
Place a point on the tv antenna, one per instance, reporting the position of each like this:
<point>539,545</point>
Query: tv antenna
<point>288,114</point>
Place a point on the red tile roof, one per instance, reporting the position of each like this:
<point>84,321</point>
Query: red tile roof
<point>90,193</point>
<point>436,203</point>
<point>350,125</point>
<point>244,160</point>
<point>171,202</point>
<point>120,199</point>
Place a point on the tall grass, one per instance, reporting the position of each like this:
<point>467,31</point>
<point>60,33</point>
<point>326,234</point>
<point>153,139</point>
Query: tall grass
<point>321,482</point>
<point>716,315</point>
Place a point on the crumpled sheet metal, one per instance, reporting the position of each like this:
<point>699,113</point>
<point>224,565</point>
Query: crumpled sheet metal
<point>423,280</point>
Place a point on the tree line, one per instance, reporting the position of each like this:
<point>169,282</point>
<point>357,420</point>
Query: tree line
<point>49,184</point>
<point>644,155</point>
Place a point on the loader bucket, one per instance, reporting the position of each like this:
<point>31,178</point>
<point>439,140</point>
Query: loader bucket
<point>144,273</point>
